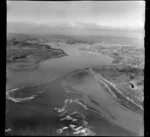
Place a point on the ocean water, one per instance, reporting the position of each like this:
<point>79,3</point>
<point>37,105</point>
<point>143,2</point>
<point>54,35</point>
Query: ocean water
<point>45,102</point>
<point>56,110</point>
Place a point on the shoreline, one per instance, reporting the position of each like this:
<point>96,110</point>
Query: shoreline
<point>118,117</point>
<point>24,55</point>
<point>116,91</point>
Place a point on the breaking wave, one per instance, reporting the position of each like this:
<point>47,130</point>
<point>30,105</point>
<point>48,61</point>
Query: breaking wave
<point>8,130</point>
<point>27,93</point>
<point>20,99</point>
<point>73,122</point>
<point>15,99</point>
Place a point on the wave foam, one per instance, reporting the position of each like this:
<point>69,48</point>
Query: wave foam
<point>75,122</point>
<point>8,130</point>
<point>16,100</point>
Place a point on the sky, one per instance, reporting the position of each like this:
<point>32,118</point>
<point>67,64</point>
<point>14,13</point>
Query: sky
<point>79,14</point>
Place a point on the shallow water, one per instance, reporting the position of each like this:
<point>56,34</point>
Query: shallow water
<point>43,114</point>
<point>40,112</point>
<point>56,67</point>
<point>103,102</point>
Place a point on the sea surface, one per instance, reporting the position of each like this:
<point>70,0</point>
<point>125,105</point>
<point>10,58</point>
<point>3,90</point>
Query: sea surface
<point>60,98</point>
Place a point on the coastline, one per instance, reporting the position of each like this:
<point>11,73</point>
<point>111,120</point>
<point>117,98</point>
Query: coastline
<point>126,114</point>
<point>116,91</point>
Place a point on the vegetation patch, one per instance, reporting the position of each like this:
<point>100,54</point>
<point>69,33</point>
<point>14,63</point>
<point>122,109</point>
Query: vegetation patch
<point>127,79</point>
<point>23,53</point>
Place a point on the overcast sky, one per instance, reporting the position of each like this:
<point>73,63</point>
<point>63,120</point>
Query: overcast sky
<point>128,14</point>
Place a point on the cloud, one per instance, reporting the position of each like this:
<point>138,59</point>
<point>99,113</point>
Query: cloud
<point>79,14</point>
